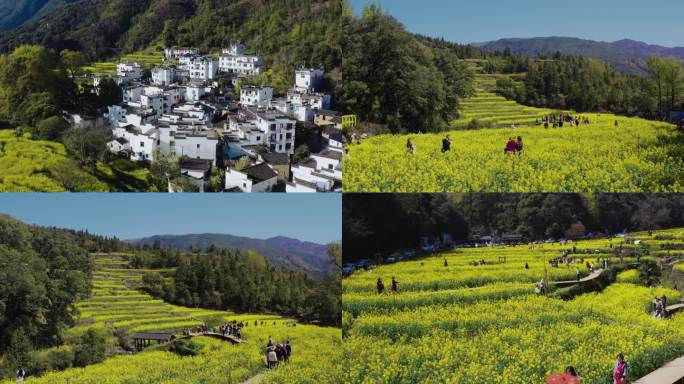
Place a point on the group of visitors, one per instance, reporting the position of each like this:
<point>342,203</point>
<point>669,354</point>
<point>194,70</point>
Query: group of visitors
<point>557,121</point>
<point>514,146</point>
<point>570,376</point>
<point>446,145</point>
<point>660,306</point>
<point>232,329</point>
<point>393,287</point>
<point>277,353</point>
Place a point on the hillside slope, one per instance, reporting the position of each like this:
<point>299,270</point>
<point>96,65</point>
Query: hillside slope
<point>14,13</point>
<point>287,33</point>
<point>490,109</point>
<point>627,56</point>
<point>281,251</point>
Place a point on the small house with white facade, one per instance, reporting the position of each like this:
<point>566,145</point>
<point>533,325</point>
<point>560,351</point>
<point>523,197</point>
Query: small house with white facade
<point>255,96</point>
<point>257,178</point>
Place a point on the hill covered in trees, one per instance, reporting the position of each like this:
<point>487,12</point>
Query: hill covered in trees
<point>397,79</point>
<point>54,282</point>
<point>283,252</point>
<point>243,281</point>
<point>384,223</point>
<point>287,33</point>
<point>14,13</point>
<point>44,272</point>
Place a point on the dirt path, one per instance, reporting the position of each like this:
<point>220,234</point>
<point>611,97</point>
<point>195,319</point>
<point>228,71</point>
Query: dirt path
<point>255,379</point>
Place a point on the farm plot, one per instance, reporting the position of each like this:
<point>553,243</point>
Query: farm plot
<point>445,326</point>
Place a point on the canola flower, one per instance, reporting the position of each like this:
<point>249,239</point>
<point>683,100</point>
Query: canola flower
<point>116,305</point>
<point>633,157</point>
<point>443,336</point>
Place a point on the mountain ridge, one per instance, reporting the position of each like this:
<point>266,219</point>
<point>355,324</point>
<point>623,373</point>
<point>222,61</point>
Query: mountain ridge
<point>625,55</point>
<point>282,251</point>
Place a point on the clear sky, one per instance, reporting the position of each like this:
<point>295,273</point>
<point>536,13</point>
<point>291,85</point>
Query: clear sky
<point>307,217</point>
<point>468,21</point>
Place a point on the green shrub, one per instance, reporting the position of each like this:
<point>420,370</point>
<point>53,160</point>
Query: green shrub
<point>184,347</point>
<point>91,348</point>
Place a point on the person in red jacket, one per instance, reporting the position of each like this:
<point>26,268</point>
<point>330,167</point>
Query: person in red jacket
<point>511,146</point>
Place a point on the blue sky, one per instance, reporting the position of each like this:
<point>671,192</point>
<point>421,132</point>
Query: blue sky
<point>654,22</point>
<point>309,217</point>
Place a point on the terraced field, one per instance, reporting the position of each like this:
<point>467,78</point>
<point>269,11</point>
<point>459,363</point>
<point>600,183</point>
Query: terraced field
<point>109,67</point>
<point>635,156</point>
<point>491,109</point>
<point>116,306</point>
<point>470,323</point>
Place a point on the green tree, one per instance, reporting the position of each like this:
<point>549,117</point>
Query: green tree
<point>88,145</point>
<point>90,349</point>
<point>164,169</point>
<point>302,152</point>
<point>51,128</point>
<point>108,93</point>
<point>73,62</point>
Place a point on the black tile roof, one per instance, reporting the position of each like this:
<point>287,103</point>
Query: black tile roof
<point>260,172</point>
<point>276,158</point>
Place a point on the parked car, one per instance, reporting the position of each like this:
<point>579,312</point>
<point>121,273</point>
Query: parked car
<point>391,260</point>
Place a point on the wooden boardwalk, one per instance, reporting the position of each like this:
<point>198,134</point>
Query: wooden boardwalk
<point>229,338</point>
<point>675,308</point>
<point>592,276</point>
<point>669,373</point>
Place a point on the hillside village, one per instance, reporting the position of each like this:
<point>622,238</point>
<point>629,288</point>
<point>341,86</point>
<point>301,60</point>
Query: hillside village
<point>186,109</point>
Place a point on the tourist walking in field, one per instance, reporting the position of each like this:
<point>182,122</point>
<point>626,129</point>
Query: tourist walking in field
<point>446,144</point>
<point>411,147</point>
<point>288,350</point>
<point>579,275</point>
<point>658,308</point>
<point>270,342</point>
<point>272,357</point>
<point>446,264</point>
<point>380,286</point>
<point>21,375</point>
<point>393,287</point>
<point>620,370</point>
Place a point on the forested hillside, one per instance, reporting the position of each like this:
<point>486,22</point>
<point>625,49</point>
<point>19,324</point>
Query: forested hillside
<point>44,272</point>
<point>14,13</point>
<point>397,79</point>
<point>385,222</point>
<point>288,33</point>
<point>243,281</point>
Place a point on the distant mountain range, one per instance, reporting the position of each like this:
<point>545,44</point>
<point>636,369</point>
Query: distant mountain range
<point>624,55</point>
<point>14,13</point>
<point>281,251</point>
